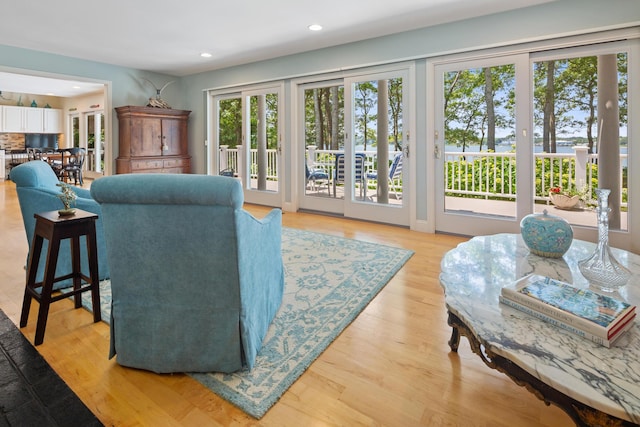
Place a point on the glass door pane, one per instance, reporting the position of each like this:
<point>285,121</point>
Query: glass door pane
<point>246,139</point>
<point>95,142</point>
<point>323,137</point>
<point>378,141</point>
<point>480,146</point>
<point>482,131</point>
<point>263,147</point>
<point>376,160</point>
<point>75,130</point>
<point>580,128</point>
<point>229,135</point>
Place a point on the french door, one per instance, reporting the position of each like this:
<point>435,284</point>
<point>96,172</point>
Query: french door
<point>511,129</point>
<point>478,187</point>
<point>356,134</point>
<point>88,132</point>
<point>246,134</point>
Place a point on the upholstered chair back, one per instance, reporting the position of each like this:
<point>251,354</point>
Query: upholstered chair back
<point>196,280</point>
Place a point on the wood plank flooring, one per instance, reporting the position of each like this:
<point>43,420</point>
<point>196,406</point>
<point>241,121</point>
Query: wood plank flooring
<point>391,367</point>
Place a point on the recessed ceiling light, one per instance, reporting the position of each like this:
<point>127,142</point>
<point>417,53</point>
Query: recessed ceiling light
<point>205,55</point>
<point>315,27</point>
<point>76,87</point>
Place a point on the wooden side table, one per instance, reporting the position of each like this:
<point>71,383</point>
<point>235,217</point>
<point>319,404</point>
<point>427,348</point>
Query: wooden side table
<point>55,228</point>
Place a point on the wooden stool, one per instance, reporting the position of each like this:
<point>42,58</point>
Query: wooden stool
<point>54,228</point>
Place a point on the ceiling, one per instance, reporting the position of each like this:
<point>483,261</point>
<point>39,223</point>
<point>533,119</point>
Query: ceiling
<point>168,37</point>
<point>12,84</point>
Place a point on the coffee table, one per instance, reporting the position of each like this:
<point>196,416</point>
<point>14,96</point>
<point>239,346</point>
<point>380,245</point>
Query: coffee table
<point>595,385</point>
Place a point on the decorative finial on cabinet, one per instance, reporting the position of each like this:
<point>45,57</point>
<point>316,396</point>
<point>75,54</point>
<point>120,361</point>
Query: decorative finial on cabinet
<point>158,101</point>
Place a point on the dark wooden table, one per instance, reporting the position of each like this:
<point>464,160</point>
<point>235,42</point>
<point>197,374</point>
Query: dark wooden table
<point>55,228</point>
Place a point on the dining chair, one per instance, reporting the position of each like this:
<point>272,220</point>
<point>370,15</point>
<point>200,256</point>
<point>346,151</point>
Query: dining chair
<point>55,159</point>
<point>34,154</point>
<point>73,166</point>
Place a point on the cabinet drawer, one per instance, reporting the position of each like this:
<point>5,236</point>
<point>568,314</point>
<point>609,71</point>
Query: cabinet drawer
<point>174,163</point>
<point>173,170</point>
<point>137,165</point>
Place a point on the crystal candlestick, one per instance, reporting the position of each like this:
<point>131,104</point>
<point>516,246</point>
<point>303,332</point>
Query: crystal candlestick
<point>601,269</point>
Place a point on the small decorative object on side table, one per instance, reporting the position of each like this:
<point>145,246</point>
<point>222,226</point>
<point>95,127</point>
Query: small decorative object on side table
<point>68,198</point>
<point>546,235</point>
<point>601,269</point>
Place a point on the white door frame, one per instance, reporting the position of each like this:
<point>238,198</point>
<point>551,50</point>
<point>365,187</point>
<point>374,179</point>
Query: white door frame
<point>460,221</point>
<point>394,214</point>
<point>398,214</point>
<point>269,198</point>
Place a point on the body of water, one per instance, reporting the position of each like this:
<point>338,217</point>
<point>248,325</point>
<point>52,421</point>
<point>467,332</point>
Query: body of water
<point>560,149</point>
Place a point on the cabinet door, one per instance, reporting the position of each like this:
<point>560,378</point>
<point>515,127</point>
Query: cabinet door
<point>172,138</point>
<point>52,120</point>
<point>12,119</point>
<point>22,119</point>
<point>33,120</point>
<point>146,137</point>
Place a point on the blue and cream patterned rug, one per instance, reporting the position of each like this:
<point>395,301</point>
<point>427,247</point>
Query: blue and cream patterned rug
<point>328,281</point>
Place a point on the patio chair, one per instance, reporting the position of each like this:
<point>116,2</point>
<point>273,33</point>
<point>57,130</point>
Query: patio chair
<point>394,176</point>
<point>228,172</point>
<point>359,173</point>
<point>315,177</point>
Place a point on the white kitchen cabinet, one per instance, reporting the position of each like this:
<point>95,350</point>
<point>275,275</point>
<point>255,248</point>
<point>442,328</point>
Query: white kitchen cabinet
<point>12,118</point>
<point>31,120</point>
<point>52,120</point>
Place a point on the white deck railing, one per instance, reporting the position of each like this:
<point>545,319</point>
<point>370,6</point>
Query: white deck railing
<point>483,174</point>
<point>324,159</point>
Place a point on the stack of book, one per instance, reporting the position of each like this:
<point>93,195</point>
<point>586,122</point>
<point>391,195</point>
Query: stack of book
<point>600,318</point>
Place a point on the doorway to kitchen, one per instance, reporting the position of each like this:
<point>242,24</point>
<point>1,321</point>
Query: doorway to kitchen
<point>87,131</point>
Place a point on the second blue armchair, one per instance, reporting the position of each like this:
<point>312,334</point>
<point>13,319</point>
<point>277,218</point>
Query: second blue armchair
<point>36,185</point>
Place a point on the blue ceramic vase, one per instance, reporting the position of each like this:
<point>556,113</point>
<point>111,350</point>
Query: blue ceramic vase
<point>546,235</point>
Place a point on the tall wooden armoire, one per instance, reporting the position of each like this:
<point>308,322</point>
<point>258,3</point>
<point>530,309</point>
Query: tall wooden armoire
<point>153,140</point>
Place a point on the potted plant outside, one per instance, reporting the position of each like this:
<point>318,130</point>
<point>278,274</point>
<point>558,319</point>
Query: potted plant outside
<point>564,199</point>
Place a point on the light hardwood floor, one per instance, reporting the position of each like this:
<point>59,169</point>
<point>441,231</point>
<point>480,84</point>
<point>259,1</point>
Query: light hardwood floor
<point>391,367</point>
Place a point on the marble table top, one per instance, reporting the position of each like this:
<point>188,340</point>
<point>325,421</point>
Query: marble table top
<point>607,379</point>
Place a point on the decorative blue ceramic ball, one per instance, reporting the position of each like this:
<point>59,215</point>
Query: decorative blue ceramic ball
<point>546,235</point>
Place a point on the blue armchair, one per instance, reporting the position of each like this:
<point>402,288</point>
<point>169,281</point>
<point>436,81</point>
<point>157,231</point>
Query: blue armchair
<point>36,185</point>
<point>196,280</point>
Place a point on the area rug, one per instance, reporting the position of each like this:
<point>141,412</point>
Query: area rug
<point>328,281</point>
